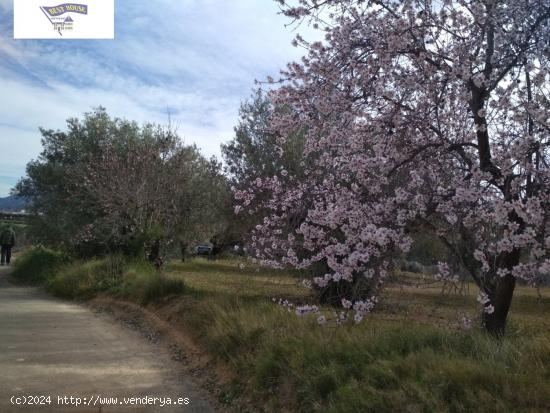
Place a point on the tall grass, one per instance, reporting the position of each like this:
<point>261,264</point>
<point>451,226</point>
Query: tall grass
<point>286,363</point>
<point>144,284</point>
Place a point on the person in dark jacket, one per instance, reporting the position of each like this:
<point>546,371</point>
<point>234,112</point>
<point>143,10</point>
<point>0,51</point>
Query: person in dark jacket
<point>7,242</point>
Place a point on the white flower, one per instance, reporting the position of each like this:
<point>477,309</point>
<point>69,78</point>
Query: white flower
<point>489,309</point>
<point>346,303</point>
<point>466,323</point>
<point>483,298</point>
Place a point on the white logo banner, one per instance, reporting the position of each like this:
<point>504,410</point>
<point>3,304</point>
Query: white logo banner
<point>54,19</point>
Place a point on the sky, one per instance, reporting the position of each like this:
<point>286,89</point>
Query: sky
<point>194,59</point>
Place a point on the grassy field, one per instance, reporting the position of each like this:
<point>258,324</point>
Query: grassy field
<point>413,354</point>
<point>411,298</point>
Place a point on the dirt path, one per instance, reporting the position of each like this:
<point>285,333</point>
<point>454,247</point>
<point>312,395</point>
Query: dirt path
<point>53,348</point>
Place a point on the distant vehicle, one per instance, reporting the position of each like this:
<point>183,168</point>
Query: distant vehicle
<point>204,250</point>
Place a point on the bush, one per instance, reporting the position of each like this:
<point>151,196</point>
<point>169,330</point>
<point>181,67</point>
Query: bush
<point>135,280</point>
<point>38,264</point>
<point>85,279</point>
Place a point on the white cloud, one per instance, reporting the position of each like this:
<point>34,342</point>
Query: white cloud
<point>197,58</point>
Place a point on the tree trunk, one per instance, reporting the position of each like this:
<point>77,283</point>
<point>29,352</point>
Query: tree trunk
<point>501,296</point>
<point>495,323</point>
<point>333,293</point>
<point>183,248</point>
<point>154,255</point>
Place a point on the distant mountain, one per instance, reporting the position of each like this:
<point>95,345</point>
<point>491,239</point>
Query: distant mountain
<point>12,204</point>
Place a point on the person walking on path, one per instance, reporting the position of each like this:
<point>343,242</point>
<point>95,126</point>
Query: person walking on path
<point>7,241</point>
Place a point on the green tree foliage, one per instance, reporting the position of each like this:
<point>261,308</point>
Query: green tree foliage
<point>256,152</point>
<point>111,185</point>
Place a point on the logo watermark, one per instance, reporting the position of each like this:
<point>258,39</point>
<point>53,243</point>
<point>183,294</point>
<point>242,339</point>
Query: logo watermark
<point>60,16</point>
<point>36,19</point>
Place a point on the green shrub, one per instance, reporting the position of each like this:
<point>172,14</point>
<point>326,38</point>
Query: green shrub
<point>38,264</point>
<point>135,280</point>
<point>85,279</point>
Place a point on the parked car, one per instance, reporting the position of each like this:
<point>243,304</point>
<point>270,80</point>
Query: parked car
<point>203,249</point>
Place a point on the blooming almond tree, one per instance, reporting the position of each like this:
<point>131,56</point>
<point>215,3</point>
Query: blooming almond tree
<point>417,113</point>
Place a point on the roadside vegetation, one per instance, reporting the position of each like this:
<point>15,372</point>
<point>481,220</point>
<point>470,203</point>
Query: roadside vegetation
<point>39,264</point>
<point>123,277</point>
<point>420,351</point>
